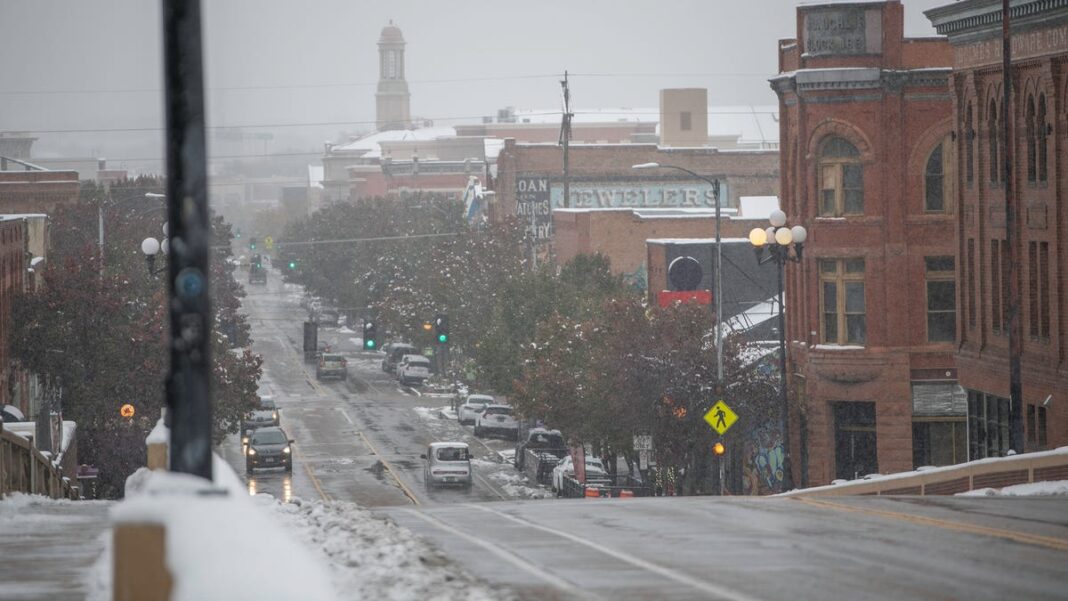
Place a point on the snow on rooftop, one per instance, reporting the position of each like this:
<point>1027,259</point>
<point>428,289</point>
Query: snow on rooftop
<point>696,240</point>
<point>753,316</point>
<point>371,143</point>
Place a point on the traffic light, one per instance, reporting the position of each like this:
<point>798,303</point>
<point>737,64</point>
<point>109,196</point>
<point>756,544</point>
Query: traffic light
<point>252,243</point>
<point>441,328</point>
<point>370,335</point>
<point>718,449</point>
<point>292,265</point>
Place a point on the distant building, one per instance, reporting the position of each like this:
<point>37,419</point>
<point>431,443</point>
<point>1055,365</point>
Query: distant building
<point>13,264</point>
<point>868,167</point>
<point>30,188</point>
<point>1039,57</point>
<point>392,100</point>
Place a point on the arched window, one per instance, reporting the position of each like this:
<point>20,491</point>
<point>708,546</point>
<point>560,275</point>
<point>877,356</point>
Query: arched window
<point>1029,125</point>
<point>992,138</point>
<point>1043,133</point>
<point>934,181</point>
<point>969,145</point>
<point>841,178</point>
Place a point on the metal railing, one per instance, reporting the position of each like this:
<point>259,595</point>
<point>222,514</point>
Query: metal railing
<point>622,485</point>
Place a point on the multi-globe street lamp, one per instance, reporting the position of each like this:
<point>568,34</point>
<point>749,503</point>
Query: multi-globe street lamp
<point>775,244</point>
<point>152,247</point>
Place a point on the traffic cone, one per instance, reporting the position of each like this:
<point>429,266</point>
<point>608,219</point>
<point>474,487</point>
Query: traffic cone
<point>593,493</point>
<point>626,493</point>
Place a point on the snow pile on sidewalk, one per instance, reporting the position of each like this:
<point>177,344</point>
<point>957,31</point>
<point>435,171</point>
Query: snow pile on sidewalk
<point>518,485</point>
<point>1057,488</point>
<point>373,558</point>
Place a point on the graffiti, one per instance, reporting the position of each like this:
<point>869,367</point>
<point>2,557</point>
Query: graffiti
<point>763,462</point>
<point>637,279</point>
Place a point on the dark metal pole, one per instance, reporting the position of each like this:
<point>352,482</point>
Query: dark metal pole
<point>784,409</point>
<point>1016,426</point>
<point>188,394</point>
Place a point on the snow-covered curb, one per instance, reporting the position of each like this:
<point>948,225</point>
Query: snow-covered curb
<point>372,558</point>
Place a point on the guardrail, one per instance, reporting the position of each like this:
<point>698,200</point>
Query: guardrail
<point>25,469</point>
<point>995,472</point>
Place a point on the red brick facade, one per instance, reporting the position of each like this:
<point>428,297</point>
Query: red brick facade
<point>36,191</point>
<point>1040,175</point>
<point>863,113</point>
<point>12,270</point>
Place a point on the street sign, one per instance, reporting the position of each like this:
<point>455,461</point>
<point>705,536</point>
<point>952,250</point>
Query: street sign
<point>720,417</point>
<point>268,242</point>
<point>643,459</point>
<point>643,442</point>
<point>127,410</point>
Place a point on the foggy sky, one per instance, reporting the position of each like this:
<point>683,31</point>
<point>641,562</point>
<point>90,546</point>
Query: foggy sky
<point>96,64</point>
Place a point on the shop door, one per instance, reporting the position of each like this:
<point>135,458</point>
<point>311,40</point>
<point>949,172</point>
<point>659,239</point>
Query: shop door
<point>855,453</point>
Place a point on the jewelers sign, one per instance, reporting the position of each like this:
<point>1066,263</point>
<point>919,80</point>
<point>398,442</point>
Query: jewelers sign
<point>668,195</point>
<point>533,208</point>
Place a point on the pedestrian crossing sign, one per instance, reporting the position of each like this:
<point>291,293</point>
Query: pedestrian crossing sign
<point>268,242</point>
<point>720,417</point>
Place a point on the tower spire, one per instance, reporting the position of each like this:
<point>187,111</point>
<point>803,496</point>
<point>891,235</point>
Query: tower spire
<point>392,98</point>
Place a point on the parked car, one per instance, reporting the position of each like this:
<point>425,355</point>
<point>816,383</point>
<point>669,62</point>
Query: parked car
<point>332,365</point>
<point>539,453</point>
<point>265,414</point>
<point>329,316</point>
<point>269,447</point>
<point>497,419</point>
<point>413,369</point>
<point>447,463</point>
<point>474,405</point>
<point>396,352</point>
<point>595,471</point>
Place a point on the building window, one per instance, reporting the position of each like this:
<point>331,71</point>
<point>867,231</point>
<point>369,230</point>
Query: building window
<point>970,299</point>
<point>934,182</point>
<point>685,121</point>
<point>988,425</point>
<point>992,138</point>
<point>1038,289</point>
<point>999,285</point>
<point>941,299</point>
<point>855,444</point>
<point>939,442</point>
<point>1043,134</point>
<point>1032,140</point>
<point>841,179</point>
<point>842,291</point>
<point>1041,427</point>
<point>969,145</point>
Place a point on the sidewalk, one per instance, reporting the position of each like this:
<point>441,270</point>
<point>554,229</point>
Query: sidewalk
<point>48,546</point>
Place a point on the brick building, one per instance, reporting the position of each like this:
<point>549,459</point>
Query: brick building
<point>13,262</point>
<point>27,188</point>
<point>1039,33</point>
<point>868,169</point>
<point>613,208</point>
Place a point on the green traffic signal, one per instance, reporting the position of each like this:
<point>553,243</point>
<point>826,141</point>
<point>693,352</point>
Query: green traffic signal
<point>443,338</point>
<point>369,344</point>
<point>292,264</point>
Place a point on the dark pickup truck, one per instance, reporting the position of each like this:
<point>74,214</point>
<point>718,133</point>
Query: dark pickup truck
<point>539,452</point>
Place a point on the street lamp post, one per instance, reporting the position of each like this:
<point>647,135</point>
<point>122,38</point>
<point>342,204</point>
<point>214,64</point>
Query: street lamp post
<point>152,247</point>
<point>777,240</point>
<point>717,283</point>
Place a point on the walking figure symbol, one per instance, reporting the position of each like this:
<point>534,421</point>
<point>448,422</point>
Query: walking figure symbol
<point>721,416</point>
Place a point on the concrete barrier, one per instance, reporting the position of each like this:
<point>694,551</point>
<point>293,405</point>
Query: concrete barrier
<point>995,472</point>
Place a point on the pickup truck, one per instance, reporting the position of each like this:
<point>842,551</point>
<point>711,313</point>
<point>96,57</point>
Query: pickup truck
<point>539,453</point>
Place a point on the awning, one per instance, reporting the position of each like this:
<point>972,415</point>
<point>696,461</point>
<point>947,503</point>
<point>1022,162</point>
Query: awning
<point>939,399</point>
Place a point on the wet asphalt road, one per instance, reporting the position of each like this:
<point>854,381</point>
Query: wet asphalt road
<point>358,439</point>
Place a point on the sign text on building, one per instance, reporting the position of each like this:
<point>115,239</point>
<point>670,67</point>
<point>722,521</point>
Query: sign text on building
<point>1029,44</point>
<point>598,195</point>
<point>843,30</point>
<point>533,208</point>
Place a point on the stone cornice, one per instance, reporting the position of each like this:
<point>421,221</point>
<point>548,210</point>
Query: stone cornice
<point>892,80</point>
<point>984,16</point>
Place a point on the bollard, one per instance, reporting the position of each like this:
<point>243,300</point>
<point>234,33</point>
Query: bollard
<point>626,493</point>
<point>139,558</point>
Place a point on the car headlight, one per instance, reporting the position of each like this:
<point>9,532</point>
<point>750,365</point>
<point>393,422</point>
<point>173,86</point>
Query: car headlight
<point>251,451</point>
<point>286,450</point>
<point>274,415</point>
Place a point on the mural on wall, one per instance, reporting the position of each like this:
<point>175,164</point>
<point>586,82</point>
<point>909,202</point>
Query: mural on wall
<point>762,468</point>
<point>637,280</point>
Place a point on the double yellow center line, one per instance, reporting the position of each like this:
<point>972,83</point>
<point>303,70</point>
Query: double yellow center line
<point>1058,544</point>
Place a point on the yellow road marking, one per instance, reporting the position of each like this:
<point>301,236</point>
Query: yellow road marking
<point>1050,542</point>
<point>389,468</point>
<point>315,481</point>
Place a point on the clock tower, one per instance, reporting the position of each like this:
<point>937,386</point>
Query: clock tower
<point>392,98</point>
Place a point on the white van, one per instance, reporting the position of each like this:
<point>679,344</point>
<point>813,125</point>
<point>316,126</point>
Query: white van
<point>413,369</point>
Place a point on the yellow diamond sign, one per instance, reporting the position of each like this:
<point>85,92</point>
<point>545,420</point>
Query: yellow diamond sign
<point>720,417</point>
<point>268,242</point>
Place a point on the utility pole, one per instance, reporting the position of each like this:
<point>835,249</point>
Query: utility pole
<point>565,139</point>
<point>188,393</point>
<point>1012,239</point>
